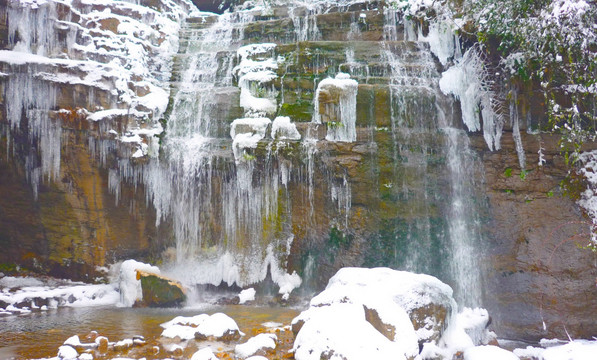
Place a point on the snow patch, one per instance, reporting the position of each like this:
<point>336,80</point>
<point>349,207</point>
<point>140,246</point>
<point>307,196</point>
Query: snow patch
<point>283,129</point>
<point>246,295</point>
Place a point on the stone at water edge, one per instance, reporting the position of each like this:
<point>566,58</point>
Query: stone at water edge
<point>406,309</point>
<point>159,291</point>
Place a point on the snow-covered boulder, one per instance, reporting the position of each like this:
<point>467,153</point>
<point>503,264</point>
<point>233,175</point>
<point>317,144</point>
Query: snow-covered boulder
<point>371,313</point>
<point>257,345</point>
<point>218,327</point>
<point>204,354</point>
<point>129,284</point>
<point>66,352</point>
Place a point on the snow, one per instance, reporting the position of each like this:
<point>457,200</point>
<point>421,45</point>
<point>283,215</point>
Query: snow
<point>256,343</point>
<point>181,331</point>
<point>560,350</point>
<point>107,114</point>
<point>73,341</point>
<point>130,287</point>
<point>86,356</point>
<point>185,328</point>
<point>466,81</point>
<point>488,352</point>
<point>588,199</point>
<point>344,111</point>
<point>468,328</point>
<point>343,331</point>
<point>12,282</point>
<point>442,40</point>
<point>67,353</point>
<point>79,295</point>
<point>255,105</point>
<point>246,134</point>
<point>246,295</point>
<point>256,68</point>
<point>204,354</point>
<point>283,129</point>
<point>225,268</point>
<point>65,42</point>
<point>257,126</point>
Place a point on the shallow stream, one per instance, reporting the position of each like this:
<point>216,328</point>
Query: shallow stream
<point>39,334</point>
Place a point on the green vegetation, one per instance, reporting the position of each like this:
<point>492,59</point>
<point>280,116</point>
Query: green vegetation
<point>549,46</point>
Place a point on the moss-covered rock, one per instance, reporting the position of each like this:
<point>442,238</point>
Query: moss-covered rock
<point>159,291</point>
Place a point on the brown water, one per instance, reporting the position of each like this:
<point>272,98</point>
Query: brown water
<point>39,334</point>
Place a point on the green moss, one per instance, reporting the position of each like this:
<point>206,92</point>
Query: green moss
<point>299,111</point>
<point>161,292</point>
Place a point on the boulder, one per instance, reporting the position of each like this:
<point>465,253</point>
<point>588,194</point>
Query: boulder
<point>218,327</point>
<point>257,345</point>
<point>372,312</point>
<point>159,291</point>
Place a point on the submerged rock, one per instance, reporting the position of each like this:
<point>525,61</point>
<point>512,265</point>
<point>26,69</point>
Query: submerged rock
<point>159,291</point>
<point>372,313</point>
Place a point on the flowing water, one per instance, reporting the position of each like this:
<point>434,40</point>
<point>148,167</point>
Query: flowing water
<point>244,204</point>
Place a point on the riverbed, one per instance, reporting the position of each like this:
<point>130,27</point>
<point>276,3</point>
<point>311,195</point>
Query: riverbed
<point>39,334</point>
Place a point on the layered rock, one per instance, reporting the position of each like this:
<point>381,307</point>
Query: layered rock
<point>539,278</point>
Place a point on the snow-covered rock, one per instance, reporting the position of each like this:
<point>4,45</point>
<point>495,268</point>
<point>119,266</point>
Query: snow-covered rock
<point>488,352</point>
<point>129,285</point>
<point>218,326</point>
<point>256,344</point>
<point>370,313</point>
<point>283,128</point>
<point>336,105</point>
<point>204,354</point>
<point>246,296</point>
<point>558,350</point>
<point>22,295</point>
<point>67,352</point>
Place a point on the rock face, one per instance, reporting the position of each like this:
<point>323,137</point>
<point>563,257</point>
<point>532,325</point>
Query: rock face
<point>88,177</point>
<point>537,270</point>
<point>159,291</point>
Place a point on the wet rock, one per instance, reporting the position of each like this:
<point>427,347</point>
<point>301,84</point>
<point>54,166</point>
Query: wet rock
<point>102,344</point>
<point>159,291</point>
<point>234,300</point>
<point>535,271</point>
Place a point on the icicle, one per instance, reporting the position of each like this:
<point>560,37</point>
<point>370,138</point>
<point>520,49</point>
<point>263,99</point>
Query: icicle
<point>339,96</point>
<point>516,130</point>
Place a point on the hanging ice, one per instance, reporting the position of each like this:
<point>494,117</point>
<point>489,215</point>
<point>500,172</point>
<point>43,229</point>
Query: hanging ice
<point>335,104</point>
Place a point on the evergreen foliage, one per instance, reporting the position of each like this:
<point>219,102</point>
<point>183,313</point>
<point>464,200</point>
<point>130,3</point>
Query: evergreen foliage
<point>552,43</point>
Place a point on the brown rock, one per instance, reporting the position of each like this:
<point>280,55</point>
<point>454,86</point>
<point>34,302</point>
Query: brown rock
<point>373,318</point>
